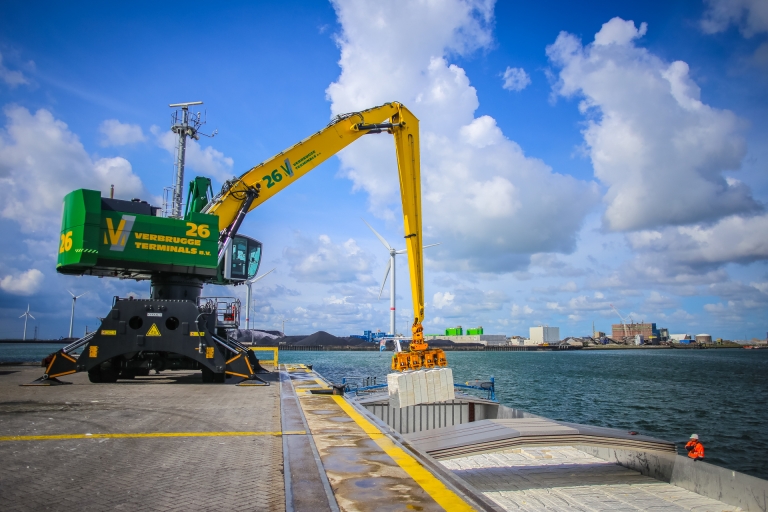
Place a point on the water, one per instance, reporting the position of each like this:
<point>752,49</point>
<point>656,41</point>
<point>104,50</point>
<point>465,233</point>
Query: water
<point>24,352</point>
<point>669,394</point>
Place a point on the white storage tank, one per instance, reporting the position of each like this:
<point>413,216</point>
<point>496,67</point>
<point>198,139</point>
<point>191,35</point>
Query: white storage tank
<point>703,338</point>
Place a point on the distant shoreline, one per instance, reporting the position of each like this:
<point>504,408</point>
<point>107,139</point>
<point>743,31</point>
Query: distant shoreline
<point>39,342</point>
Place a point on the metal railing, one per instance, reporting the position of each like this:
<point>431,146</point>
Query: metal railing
<point>272,361</point>
<point>227,310</point>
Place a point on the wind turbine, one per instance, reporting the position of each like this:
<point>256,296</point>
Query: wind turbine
<point>391,265</point>
<point>248,298</point>
<point>72,316</point>
<point>27,315</point>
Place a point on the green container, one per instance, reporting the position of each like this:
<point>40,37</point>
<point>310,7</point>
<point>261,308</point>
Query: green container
<point>454,331</point>
<point>476,331</point>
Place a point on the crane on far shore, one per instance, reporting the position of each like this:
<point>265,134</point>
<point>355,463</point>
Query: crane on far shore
<point>623,324</point>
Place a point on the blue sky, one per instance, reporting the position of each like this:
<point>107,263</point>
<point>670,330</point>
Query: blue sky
<point>573,155</point>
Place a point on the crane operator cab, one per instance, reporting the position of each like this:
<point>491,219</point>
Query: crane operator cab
<point>242,259</point>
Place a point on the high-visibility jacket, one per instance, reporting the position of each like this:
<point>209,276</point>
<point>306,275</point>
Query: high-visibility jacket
<point>697,449</point>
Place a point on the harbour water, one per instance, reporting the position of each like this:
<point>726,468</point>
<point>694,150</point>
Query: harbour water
<point>669,394</point>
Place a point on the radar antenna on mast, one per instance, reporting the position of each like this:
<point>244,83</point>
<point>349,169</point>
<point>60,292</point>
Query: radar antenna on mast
<point>184,124</point>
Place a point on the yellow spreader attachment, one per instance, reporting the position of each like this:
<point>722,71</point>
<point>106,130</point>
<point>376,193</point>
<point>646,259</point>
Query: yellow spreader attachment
<point>419,355</point>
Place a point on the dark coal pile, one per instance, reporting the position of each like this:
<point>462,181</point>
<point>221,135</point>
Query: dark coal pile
<point>440,343</point>
<point>324,339</point>
<point>258,336</point>
<point>292,340</point>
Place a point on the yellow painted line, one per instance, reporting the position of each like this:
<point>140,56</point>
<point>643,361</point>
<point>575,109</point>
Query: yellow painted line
<point>322,384</point>
<point>444,497</point>
<point>139,435</point>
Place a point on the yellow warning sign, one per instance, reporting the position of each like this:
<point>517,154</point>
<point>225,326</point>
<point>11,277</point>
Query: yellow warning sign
<point>93,351</point>
<point>153,331</point>
<point>209,352</point>
<point>105,332</point>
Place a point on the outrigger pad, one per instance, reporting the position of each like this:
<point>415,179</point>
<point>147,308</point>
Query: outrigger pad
<point>45,381</point>
<point>60,364</point>
<point>246,366</point>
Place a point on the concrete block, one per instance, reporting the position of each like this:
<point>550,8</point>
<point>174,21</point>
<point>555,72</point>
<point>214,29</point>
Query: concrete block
<point>420,387</point>
<point>408,397</point>
<point>393,387</point>
<point>432,384</point>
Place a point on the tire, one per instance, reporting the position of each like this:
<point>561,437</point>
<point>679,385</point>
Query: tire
<point>94,375</point>
<point>207,376</point>
<point>142,372</point>
<point>219,377</point>
<point>127,374</point>
<point>109,374</point>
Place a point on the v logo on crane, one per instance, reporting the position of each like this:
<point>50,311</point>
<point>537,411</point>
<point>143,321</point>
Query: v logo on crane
<point>118,238</point>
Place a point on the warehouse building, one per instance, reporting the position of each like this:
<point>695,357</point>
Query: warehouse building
<point>544,334</point>
<point>647,330</point>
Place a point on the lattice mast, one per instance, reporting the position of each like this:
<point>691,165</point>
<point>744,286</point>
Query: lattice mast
<point>184,124</point>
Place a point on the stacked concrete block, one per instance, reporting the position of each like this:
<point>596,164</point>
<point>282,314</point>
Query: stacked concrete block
<point>420,387</point>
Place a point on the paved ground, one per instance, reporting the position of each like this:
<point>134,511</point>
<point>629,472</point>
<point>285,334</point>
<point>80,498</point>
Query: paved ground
<point>139,473</point>
<point>566,479</point>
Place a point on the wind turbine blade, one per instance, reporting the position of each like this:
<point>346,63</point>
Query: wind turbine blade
<point>402,251</point>
<point>72,294</point>
<point>386,275</point>
<point>431,245</point>
<point>80,295</point>
<point>264,275</point>
<point>30,316</point>
<point>22,316</point>
<point>379,236</point>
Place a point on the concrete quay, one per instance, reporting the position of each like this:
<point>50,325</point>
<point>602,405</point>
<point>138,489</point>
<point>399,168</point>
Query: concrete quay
<point>169,442</point>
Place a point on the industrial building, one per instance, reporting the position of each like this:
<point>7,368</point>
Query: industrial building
<point>544,334</point>
<point>647,330</point>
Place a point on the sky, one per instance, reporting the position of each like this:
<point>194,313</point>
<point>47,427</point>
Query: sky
<point>575,157</point>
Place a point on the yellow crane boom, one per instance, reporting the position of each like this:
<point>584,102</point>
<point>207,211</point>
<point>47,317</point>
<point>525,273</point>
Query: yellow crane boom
<point>275,174</point>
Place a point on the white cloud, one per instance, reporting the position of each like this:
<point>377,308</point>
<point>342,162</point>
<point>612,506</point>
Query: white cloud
<point>733,239</point>
<point>489,203</point>
<point>11,78</point>
<point>41,161</point>
<point>659,149</point>
<point>441,300</point>
<point>207,161</point>
<point>24,283</point>
<point>750,16</point>
<point>120,134</point>
<point>518,311</point>
<point>322,261</point>
<point>515,79</point>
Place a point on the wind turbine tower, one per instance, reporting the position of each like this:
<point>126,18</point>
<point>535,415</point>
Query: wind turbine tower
<point>27,315</point>
<point>72,316</point>
<point>391,265</point>
<point>248,298</point>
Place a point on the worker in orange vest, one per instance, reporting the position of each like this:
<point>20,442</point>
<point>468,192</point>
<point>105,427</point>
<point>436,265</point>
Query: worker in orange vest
<point>695,448</point>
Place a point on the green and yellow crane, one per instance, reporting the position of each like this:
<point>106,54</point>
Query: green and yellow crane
<point>178,327</point>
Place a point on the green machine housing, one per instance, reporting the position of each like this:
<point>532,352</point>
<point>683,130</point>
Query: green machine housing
<point>111,237</point>
<point>176,328</point>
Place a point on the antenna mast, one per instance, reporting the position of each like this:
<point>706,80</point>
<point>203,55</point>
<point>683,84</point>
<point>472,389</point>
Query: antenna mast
<point>184,124</point>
